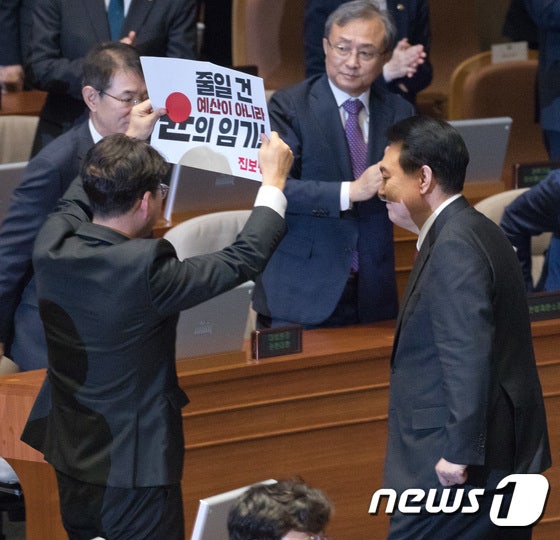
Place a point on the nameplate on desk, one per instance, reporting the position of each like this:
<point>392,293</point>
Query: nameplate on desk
<point>508,52</point>
<point>544,306</point>
<point>268,342</point>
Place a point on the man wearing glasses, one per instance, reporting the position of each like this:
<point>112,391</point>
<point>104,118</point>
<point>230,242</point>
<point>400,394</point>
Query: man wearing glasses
<point>408,71</point>
<point>113,82</point>
<point>109,299</point>
<point>336,264</point>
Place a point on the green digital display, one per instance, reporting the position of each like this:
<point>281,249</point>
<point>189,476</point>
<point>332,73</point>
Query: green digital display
<point>544,306</point>
<point>269,342</point>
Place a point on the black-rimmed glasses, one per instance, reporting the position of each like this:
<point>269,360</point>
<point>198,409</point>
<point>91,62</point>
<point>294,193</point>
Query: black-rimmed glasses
<point>164,188</point>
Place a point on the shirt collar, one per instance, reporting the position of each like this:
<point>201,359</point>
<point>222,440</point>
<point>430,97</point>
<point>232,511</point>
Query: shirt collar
<point>430,221</point>
<point>341,96</point>
<point>95,135</point>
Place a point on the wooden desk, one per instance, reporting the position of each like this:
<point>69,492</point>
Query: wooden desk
<point>28,102</point>
<point>321,414</point>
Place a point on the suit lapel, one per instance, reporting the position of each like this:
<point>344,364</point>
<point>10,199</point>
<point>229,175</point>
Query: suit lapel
<point>137,13</point>
<point>379,121</point>
<point>422,259</point>
<point>323,106</point>
<point>97,14</point>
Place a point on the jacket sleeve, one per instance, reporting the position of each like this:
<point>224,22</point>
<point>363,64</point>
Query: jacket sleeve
<point>530,214</point>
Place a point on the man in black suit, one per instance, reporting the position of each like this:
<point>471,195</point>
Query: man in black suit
<point>409,70</point>
<point>63,32</point>
<point>109,298</point>
<point>110,68</point>
<point>465,407</point>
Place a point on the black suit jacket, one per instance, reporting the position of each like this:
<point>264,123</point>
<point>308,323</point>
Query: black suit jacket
<point>15,30</point>
<point>464,384</point>
<point>110,306</point>
<point>65,30</point>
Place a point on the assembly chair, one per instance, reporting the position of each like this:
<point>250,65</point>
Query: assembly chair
<point>16,137</point>
<point>481,89</point>
<point>269,35</point>
<point>493,208</point>
<point>208,233</point>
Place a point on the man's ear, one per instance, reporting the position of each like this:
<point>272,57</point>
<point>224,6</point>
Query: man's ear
<point>426,179</point>
<point>91,97</point>
<point>325,46</point>
<point>144,204</point>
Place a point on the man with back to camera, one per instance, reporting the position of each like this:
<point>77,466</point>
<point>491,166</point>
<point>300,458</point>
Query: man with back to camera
<point>109,299</point>
<point>110,68</point>
<point>327,271</point>
<point>465,407</point>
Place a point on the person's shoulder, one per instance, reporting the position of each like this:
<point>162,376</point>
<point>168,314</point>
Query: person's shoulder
<point>380,95</point>
<point>65,145</point>
<point>313,84</point>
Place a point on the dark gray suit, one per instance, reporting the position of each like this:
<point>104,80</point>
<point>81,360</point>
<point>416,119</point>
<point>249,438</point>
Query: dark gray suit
<point>464,384</point>
<point>65,30</point>
<point>110,306</point>
<point>45,180</point>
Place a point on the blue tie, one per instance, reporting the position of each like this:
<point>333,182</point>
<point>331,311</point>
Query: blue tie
<point>115,14</point>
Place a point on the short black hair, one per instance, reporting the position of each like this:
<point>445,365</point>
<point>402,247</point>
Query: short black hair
<point>118,170</point>
<point>269,511</point>
<point>429,141</point>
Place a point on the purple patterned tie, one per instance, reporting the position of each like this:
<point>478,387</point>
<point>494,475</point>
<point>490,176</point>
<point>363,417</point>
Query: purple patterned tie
<point>355,137</point>
<point>358,149</point>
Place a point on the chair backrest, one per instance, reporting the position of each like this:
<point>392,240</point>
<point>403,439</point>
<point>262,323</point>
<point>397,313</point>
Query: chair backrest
<point>16,137</point>
<point>209,233</point>
<point>206,233</point>
<point>481,89</point>
<point>493,208</point>
<point>269,35</point>
<point>7,366</point>
<point>10,177</point>
<point>454,23</point>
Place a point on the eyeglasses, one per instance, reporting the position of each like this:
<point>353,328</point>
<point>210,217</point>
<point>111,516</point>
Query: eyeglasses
<point>164,188</point>
<point>343,51</point>
<point>127,102</point>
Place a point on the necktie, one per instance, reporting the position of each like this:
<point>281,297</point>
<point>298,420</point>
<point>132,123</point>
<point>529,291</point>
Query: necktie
<point>355,137</point>
<point>358,150</point>
<point>115,15</point>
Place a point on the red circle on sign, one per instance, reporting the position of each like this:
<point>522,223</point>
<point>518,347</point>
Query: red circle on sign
<point>178,107</point>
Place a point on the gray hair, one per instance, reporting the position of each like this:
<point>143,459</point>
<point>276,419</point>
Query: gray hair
<point>363,9</point>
